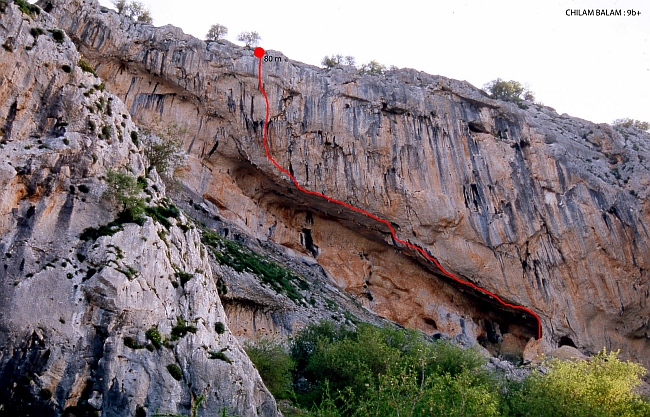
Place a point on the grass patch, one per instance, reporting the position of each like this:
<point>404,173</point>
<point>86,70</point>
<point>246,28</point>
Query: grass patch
<point>86,67</point>
<point>240,258</point>
<point>27,8</point>
<point>220,355</point>
<point>162,214</point>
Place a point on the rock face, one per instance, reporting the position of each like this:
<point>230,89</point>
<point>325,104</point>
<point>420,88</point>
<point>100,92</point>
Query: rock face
<point>547,211</point>
<point>84,310</point>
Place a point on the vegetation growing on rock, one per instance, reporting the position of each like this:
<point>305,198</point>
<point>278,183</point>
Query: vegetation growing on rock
<point>511,90</point>
<point>369,371</point>
<point>216,32</point>
<point>240,258</point>
<point>134,9</point>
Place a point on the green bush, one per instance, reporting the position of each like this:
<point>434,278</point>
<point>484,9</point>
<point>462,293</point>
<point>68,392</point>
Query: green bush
<point>107,131</point>
<point>303,343</point>
<point>124,189</point>
<point>86,67</point>
<point>220,355</point>
<point>630,123</point>
<point>274,365</point>
<point>181,329</point>
<point>508,91</point>
<point>331,61</point>
<point>130,342</point>
<point>219,327</point>
<point>602,386</point>
<point>134,10</point>
<point>216,32</point>
<point>240,258</point>
<point>163,147</point>
<point>27,8</point>
<point>375,371</point>
<point>36,32</point>
<point>162,214</point>
<point>372,67</point>
<point>184,277</point>
<point>249,38</point>
<point>134,138</point>
<point>175,371</point>
<point>154,336</point>
<point>58,35</point>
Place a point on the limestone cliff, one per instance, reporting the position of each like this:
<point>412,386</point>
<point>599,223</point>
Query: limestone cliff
<point>548,211</point>
<point>98,314</point>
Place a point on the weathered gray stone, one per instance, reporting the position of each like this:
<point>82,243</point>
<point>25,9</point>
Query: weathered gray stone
<point>547,211</point>
<point>67,306</point>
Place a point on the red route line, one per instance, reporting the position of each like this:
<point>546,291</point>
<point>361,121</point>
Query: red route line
<point>259,53</point>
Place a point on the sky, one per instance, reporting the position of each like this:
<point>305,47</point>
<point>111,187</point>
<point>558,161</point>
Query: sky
<point>593,67</point>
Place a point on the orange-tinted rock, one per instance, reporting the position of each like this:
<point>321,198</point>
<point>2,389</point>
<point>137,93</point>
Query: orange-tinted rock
<point>547,211</point>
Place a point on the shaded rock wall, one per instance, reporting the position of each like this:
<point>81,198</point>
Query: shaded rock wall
<point>548,211</point>
<point>74,312</point>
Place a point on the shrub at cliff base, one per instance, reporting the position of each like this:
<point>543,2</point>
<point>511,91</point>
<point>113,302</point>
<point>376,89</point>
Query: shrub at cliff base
<point>372,371</point>
<point>602,386</point>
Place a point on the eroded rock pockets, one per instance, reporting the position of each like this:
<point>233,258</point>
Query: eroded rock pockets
<point>99,313</point>
<point>547,210</point>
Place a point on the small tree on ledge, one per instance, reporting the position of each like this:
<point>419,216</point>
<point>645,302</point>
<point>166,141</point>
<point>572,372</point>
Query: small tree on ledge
<point>134,9</point>
<point>508,91</point>
<point>216,32</point>
<point>249,38</point>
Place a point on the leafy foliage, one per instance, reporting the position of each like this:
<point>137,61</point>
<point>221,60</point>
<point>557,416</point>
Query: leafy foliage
<point>221,355</point>
<point>154,336</point>
<point>602,386</point>
<point>58,35</point>
<point>134,10</point>
<point>249,38</point>
<point>219,327</point>
<point>125,189</point>
<point>175,371</point>
<point>130,342</point>
<point>274,365</point>
<point>372,371</point>
<point>216,32</point>
<point>509,91</point>
<point>242,259</point>
<point>181,329</point>
<point>372,67</point>
<point>86,67</point>
<point>336,60</point>
<point>163,147</point>
<point>630,123</point>
<point>27,8</point>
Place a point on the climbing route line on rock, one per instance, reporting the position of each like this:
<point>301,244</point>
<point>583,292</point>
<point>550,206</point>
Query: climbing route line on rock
<point>259,53</point>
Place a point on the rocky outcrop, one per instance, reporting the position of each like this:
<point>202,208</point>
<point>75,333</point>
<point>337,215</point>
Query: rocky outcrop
<point>548,211</point>
<point>98,314</point>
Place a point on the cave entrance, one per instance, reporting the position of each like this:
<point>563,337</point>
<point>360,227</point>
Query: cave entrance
<point>566,341</point>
